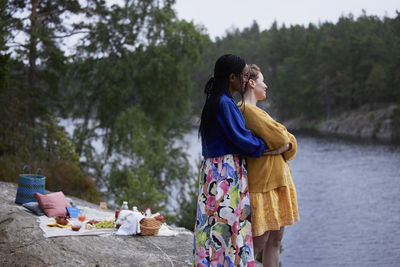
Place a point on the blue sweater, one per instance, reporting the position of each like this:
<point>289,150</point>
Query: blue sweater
<point>231,135</point>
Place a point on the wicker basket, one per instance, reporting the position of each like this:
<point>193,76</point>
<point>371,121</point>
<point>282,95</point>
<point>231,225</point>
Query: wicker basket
<point>149,226</point>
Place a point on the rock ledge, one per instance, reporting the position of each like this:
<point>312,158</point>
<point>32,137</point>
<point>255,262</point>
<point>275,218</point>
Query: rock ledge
<point>22,243</point>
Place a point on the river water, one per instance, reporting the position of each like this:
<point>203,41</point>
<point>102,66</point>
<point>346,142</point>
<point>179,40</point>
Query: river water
<point>349,203</point>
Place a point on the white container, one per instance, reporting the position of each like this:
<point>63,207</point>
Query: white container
<point>124,206</point>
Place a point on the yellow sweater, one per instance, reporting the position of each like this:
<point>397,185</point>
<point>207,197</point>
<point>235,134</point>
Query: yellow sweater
<point>267,172</point>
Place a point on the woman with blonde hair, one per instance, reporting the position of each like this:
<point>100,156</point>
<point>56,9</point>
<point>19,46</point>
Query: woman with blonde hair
<point>273,199</point>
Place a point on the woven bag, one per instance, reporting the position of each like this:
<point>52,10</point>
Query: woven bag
<point>28,184</point>
<point>149,226</point>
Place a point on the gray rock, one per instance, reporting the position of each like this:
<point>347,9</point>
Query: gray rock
<point>385,131</point>
<point>366,122</point>
<point>22,243</point>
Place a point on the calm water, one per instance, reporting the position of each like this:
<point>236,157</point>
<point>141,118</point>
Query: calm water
<point>349,203</point>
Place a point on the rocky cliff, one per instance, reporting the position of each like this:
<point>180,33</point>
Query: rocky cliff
<point>22,243</point>
<point>379,123</point>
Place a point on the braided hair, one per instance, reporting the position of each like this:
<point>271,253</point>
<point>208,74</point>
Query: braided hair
<point>224,66</point>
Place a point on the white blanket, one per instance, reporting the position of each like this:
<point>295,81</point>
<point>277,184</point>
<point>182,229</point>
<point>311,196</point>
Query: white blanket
<point>98,215</point>
<point>91,213</point>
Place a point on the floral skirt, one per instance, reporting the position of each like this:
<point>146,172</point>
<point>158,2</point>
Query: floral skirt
<point>222,234</point>
<point>276,208</point>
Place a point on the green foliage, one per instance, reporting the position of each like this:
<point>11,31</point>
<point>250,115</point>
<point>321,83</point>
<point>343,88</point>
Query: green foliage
<point>56,141</point>
<point>138,187</point>
<point>17,136</point>
<point>376,88</point>
<point>396,123</point>
<point>29,95</point>
<point>4,73</point>
<point>61,175</point>
<point>128,87</point>
<point>188,205</point>
<point>135,98</point>
<point>147,151</point>
<point>41,33</point>
<point>5,18</point>
<point>71,180</point>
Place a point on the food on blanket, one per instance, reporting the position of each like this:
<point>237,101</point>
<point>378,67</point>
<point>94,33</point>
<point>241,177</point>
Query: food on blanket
<point>160,218</point>
<point>92,222</point>
<point>103,205</point>
<point>89,226</point>
<point>63,220</point>
<point>75,227</point>
<point>81,217</point>
<point>58,225</point>
<point>105,224</point>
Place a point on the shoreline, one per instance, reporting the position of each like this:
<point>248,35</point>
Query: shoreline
<point>365,124</point>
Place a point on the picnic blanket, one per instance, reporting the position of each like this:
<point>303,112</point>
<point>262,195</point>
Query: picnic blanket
<point>97,214</point>
<point>91,213</point>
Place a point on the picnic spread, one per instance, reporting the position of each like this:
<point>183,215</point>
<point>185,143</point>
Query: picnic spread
<point>102,222</point>
<point>59,216</point>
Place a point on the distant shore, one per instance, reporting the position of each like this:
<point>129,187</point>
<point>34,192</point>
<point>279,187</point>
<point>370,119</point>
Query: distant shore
<point>368,122</point>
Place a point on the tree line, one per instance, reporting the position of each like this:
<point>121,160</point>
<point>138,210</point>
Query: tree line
<point>319,71</point>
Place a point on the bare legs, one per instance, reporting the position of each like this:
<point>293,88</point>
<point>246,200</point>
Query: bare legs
<point>270,241</point>
<point>259,242</point>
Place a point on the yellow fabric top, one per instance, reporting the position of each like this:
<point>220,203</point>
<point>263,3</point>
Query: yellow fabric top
<point>267,172</point>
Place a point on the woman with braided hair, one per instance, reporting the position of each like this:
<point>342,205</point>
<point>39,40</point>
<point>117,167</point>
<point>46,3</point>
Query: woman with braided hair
<point>222,235</point>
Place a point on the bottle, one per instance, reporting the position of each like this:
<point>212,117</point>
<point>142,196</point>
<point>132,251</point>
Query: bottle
<point>148,212</point>
<point>124,206</point>
<point>134,208</point>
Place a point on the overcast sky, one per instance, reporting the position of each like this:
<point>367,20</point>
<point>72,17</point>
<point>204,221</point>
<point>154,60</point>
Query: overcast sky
<point>220,15</point>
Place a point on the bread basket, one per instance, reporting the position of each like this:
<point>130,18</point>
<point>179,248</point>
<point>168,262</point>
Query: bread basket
<point>149,226</point>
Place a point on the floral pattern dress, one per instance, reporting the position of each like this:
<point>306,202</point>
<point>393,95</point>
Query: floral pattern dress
<point>223,230</point>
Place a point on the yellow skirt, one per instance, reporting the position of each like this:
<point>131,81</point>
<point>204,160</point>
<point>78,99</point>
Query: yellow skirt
<point>273,209</point>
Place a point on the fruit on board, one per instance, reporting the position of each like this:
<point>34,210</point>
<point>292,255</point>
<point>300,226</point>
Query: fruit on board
<point>62,220</point>
<point>92,222</point>
<point>105,224</point>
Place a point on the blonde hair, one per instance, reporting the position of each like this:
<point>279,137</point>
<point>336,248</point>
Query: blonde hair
<point>254,71</point>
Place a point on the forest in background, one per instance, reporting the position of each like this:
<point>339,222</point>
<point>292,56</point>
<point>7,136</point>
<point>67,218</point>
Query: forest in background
<point>319,71</point>
<point>134,80</point>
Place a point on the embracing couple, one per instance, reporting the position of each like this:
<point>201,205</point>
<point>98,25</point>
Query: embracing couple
<point>246,193</point>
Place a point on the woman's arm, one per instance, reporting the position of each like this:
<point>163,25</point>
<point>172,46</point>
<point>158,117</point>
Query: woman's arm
<point>291,153</point>
<point>263,126</point>
<point>278,151</point>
